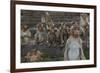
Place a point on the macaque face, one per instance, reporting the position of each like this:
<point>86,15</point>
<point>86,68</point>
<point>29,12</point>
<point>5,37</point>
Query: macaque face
<point>76,33</point>
<point>40,28</point>
<point>24,28</point>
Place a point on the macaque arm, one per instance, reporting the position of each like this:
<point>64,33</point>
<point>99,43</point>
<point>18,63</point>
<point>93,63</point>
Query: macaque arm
<point>66,50</point>
<point>82,53</point>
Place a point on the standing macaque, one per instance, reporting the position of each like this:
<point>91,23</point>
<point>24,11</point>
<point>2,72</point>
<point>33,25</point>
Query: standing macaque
<point>73,47</point>
<point>84,22</point>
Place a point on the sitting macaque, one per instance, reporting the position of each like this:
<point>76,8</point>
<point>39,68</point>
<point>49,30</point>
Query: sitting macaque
<point>33,56</point>
<point>40,35</point>
<point>51,36</point>
<point>25,34</point>
<point>27,57</point>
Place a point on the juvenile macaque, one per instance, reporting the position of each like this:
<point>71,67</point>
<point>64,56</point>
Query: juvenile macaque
<point>33,56</point>
<point>40,35</point>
